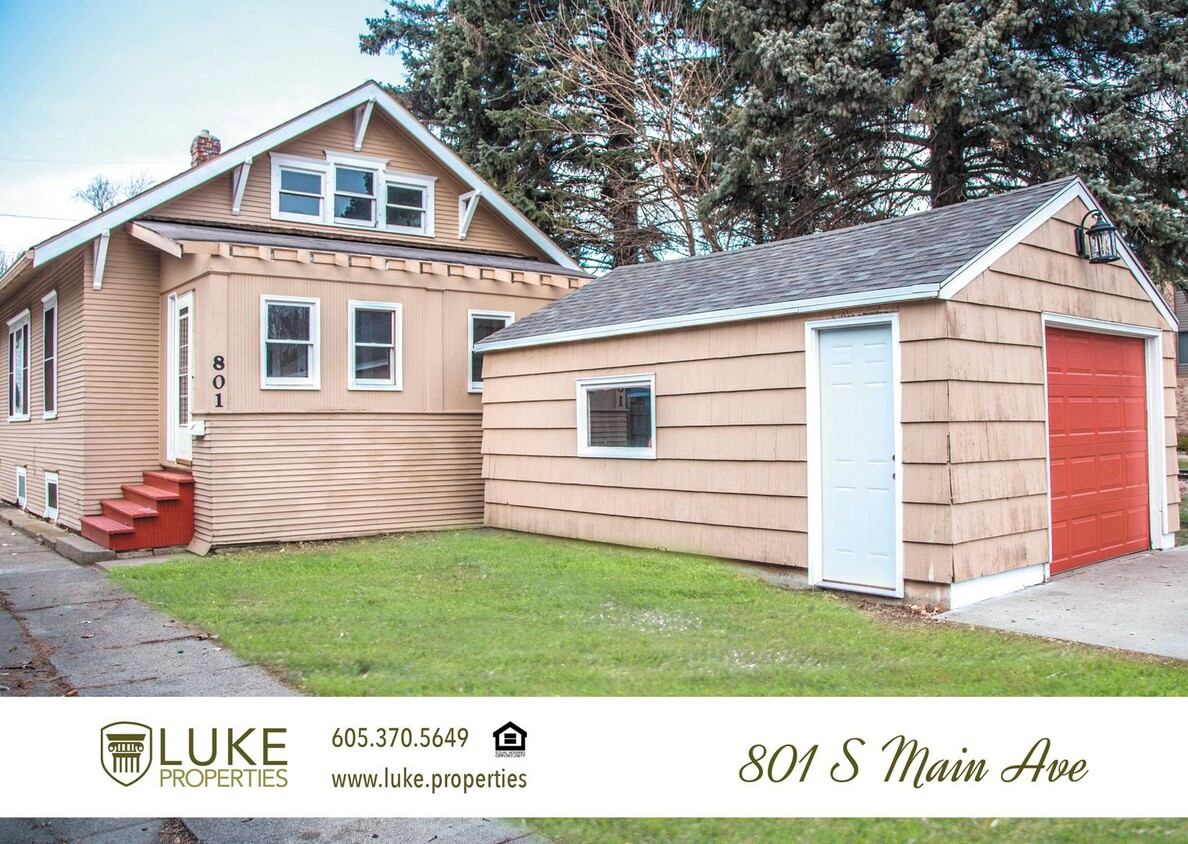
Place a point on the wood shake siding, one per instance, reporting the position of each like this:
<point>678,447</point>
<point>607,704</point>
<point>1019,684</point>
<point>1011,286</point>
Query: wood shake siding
<point>999,479</point>
<point>211,203</point>
<point>313,476</point>
<point>123,340</point>
<point>48,445</point>
<point>730,474</point>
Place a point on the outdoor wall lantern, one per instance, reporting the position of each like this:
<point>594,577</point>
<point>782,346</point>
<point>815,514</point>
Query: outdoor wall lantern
<point>1099,242</point>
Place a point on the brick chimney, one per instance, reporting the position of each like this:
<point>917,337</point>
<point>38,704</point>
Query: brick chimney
<point>204,147</point>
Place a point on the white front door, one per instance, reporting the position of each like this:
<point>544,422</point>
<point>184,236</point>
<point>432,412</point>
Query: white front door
<point>859,547</point>
<point>181,375</point>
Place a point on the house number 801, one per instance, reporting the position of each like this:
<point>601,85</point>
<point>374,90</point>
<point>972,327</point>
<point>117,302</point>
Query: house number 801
<point>219,381</point>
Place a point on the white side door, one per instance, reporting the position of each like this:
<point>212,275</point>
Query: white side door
<point>859,540</point>
<point>181,376</point>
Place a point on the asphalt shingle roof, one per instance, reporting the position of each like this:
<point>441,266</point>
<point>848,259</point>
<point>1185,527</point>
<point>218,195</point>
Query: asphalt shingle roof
<point>901,252</point>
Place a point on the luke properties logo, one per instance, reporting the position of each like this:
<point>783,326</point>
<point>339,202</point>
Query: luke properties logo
<point>126,751</point>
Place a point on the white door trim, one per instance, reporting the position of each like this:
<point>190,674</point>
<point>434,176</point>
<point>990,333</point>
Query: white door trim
<point>172,396</point>
<point>1161,538</point>
<point>816,552</point>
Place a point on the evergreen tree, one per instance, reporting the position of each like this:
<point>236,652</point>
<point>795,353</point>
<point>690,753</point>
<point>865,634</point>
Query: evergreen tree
<point>864,108</point>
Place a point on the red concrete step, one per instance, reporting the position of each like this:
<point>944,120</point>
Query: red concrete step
<point>109,533</point>
<point>123,510</point>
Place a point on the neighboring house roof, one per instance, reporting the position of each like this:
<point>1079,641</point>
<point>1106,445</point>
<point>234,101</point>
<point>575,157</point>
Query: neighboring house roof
<point>932,254</point>
<point>369,92</point>
<point>197,233</point>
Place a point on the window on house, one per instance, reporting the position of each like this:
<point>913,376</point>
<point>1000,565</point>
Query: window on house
<point>299,193</point>
<point>18,367</point>
<point>406,207</point>
<point>51,495</point>
<point>22,487</point>
<point>49,355</point>
<point>354,196</point>
<point>616,416</point>
<point>375,346</point>
<point>482,325</point>
<point>289,343</point>
<point>1182,350</point>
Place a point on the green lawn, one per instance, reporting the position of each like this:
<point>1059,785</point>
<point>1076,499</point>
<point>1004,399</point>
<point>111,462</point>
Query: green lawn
<point>485,612</point>
<point>1182,533</point>
<point>875,831</point>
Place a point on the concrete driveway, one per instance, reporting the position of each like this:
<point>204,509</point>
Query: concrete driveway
<point>1135,603</point>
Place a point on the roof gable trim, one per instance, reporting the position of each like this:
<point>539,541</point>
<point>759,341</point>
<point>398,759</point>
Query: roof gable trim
<point>237,156</point>
<point>775,309</point>
<point>957,282</point>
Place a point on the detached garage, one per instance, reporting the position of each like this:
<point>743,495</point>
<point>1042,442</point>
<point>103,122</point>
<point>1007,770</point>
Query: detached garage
<point>945,406</point>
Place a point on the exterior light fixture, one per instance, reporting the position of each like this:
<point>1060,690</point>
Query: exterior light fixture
<point>1097,243</point>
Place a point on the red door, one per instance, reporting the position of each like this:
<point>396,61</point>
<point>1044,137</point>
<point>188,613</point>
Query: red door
<point>1097,437</point>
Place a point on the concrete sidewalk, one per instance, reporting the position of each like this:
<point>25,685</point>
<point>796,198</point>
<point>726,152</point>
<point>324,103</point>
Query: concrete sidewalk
<point>65,629</point>
<point>1135,603</point>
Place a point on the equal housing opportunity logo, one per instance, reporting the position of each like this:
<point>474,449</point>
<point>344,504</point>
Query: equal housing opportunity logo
<point>208,757</point>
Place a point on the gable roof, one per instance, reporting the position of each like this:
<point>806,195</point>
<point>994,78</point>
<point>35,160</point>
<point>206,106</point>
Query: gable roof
<point>369,92</point>
<point>932,254</point>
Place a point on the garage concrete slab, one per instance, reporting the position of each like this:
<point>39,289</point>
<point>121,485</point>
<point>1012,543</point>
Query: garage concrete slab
<point>1135,603</point>
<point>359,831</point>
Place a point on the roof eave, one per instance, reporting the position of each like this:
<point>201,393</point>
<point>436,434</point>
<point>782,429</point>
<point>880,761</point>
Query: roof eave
<point>774,309</point>
<point>23,262</point>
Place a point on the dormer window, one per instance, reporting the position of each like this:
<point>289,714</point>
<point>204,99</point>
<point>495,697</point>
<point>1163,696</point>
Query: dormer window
<point>351,190</point>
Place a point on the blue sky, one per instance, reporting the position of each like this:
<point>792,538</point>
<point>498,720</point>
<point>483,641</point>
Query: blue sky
<point>122,87</point>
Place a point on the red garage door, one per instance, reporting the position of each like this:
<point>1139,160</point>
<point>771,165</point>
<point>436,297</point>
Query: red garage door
<point>1097,429</point>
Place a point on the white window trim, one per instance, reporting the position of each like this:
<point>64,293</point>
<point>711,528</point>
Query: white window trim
<point>382,178</point>
<point>313,381</point>
<point>294,162</point>
<point>15,324</point>
<point>584,386</point>
<point>397,381</point>
<point>410,180</point>
<point>52,478</point>
<point>376,185</point>
<point>22,475</point>
<point>471,315</point>
<point>50,300</point>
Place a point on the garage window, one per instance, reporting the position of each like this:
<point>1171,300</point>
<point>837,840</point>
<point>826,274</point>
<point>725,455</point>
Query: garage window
<point>616,416</point>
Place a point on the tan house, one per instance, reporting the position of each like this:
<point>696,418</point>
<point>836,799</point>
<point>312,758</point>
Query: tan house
<point>945,406</point>
<point>276,344</point>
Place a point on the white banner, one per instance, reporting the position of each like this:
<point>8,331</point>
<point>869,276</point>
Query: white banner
<point>589,757</point>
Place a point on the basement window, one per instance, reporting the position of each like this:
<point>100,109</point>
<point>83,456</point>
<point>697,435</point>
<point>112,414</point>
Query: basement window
<point>374,343</point>
<point>289,354</point>
<point>22,487</point>
<point>482,325</point>
<point>51,495</point>
<point>616,416</point>
<point>18,367</point>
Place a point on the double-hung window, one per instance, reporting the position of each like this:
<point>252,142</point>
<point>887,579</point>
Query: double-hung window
<point>18,367</point>
<point>51,495</point>
<point>482,325</point>
<point>617,416</point>
<point>49,355</point>
<point>354,196</point>
<point>408,207</point>
<point>289,347</point>
<point>374,340</point>
<point>298,190</point>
